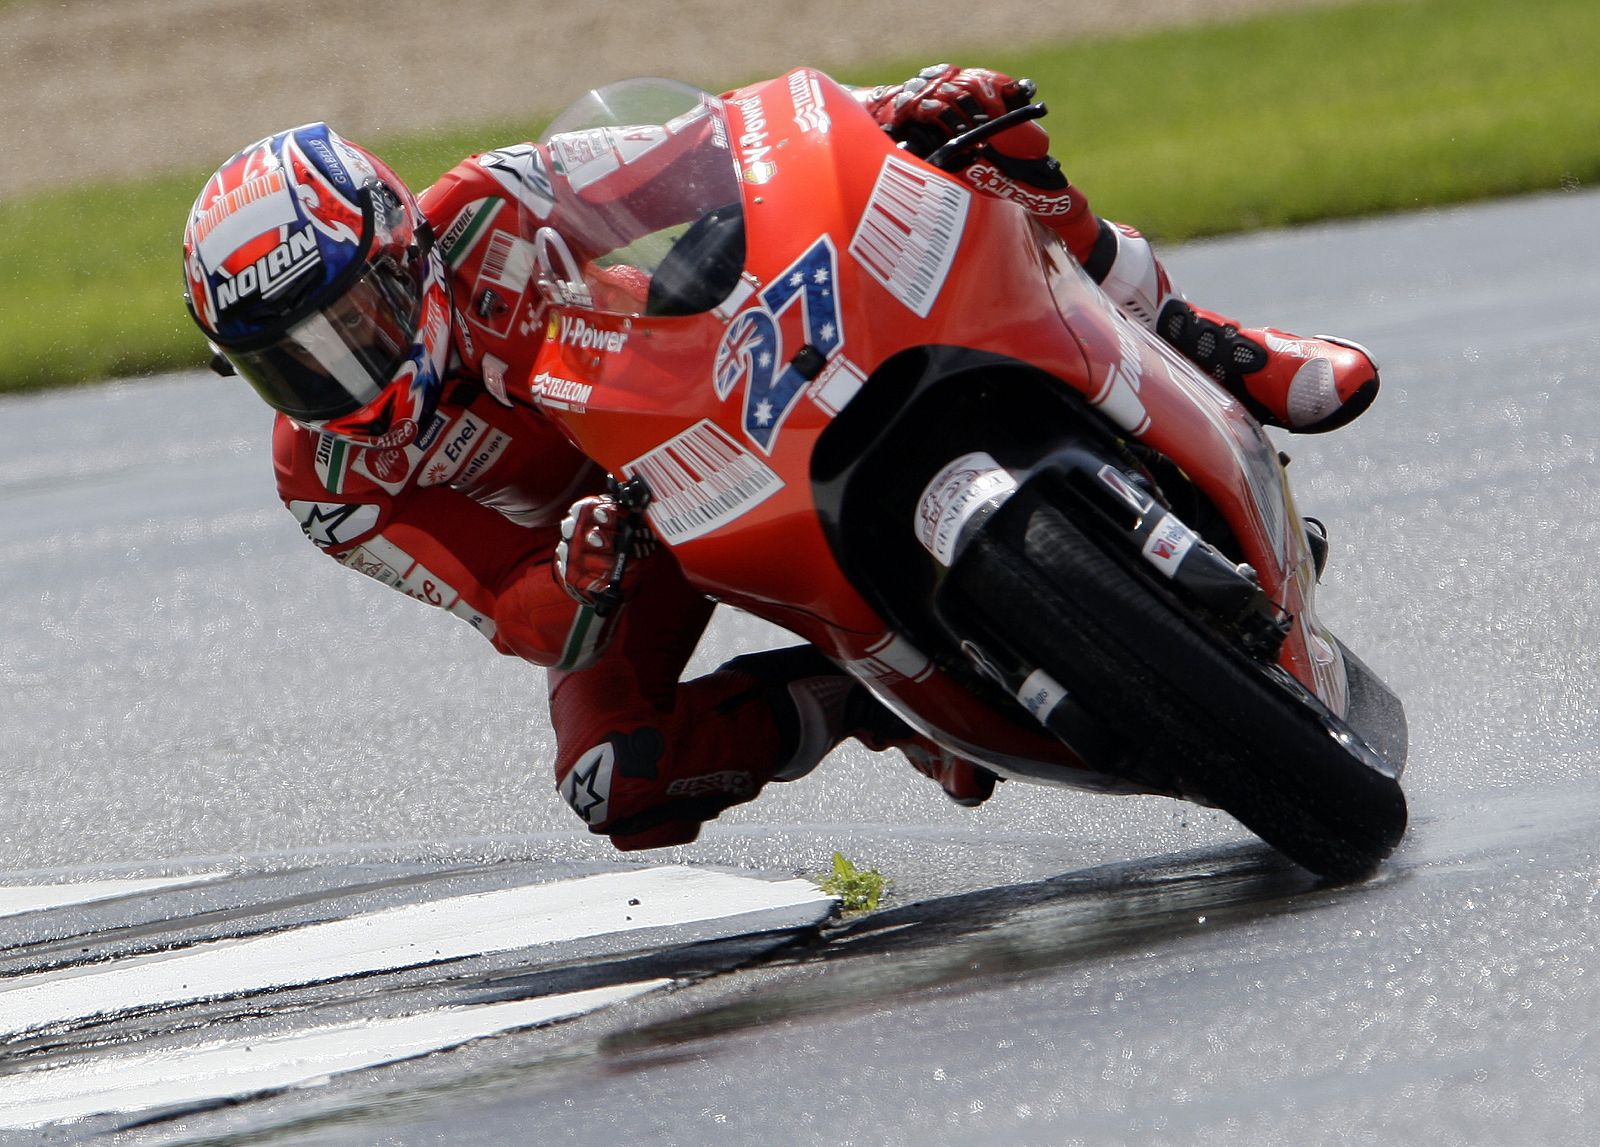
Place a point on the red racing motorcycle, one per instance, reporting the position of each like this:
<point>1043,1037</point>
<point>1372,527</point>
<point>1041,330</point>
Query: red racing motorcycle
<point>891,414</point>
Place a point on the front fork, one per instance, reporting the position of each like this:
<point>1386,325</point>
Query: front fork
<point>1117,504</point>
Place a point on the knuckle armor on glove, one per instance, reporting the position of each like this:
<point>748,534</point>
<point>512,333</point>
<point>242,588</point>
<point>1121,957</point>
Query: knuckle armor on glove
<point>589,562</point>
<point>942,101</point>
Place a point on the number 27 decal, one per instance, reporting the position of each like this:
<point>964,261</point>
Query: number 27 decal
<point>751,350</point>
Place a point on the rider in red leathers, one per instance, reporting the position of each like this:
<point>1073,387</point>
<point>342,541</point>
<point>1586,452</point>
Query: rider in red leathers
<point>383,327</point>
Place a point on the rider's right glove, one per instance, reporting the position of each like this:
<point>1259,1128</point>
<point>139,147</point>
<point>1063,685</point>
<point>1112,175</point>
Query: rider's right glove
<point>599,558</point>
<point>941,102</point>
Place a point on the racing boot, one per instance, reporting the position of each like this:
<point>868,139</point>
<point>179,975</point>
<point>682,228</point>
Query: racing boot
<point>759,718</point>
<point>817,705</point>
<point>963,781</point>
<point>1306,385</point>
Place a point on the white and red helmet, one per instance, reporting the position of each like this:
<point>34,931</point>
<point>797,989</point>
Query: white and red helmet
<point>309,265</point>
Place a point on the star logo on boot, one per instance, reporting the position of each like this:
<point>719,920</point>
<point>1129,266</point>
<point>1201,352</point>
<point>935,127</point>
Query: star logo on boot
<point>587,788</point>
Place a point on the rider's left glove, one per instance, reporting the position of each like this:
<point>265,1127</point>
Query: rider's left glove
<point>600,556</point>
<point>941,102</point>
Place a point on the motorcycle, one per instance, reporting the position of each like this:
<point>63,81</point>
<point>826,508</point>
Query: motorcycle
<point>859,398</point>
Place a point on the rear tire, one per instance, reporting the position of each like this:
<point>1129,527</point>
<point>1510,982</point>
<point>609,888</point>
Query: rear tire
<point>1198,712</point>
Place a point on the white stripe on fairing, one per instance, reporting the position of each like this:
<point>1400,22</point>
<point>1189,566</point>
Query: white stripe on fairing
<point>404,937</point>
<point>16,899</point>
<point>231,1068</point>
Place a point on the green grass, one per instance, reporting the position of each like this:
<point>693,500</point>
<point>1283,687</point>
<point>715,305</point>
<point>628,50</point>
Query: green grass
<point>857,889</point>
<point>1274,121</point>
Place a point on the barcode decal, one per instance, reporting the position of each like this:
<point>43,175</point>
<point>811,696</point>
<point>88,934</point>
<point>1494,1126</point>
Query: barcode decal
<point>909,233</point>
<point>701,480</point>
<point>508,262</point>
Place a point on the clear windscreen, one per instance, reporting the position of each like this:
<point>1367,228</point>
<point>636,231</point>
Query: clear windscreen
<point>648,216</point>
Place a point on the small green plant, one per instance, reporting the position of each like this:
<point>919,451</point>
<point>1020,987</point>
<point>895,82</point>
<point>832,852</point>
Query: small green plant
<point>857,891</point>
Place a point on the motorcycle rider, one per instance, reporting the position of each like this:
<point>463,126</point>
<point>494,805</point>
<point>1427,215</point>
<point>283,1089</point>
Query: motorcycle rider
<point>382,328</point>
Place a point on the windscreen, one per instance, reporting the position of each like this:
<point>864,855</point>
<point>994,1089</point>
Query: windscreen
<point>647,216</point>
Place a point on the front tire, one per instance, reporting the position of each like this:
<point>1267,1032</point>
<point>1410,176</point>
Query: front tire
<point>1196,712</point>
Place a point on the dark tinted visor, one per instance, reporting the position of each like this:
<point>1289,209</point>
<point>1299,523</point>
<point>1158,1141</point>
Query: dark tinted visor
<point>340,357</point>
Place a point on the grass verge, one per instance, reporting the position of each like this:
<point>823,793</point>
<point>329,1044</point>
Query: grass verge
<point>1268,122</point>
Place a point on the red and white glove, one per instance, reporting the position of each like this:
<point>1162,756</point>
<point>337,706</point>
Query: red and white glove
<point>944,101</point>
<point>941,102</point>
<point>599,558</point>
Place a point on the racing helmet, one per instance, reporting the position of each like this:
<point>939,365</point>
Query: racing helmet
<point>310,267</point>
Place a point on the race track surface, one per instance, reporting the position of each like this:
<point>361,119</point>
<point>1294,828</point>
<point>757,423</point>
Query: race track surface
<point>245,788</point>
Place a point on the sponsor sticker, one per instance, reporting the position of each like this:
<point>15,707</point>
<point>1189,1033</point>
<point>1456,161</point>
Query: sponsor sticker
<point>954,495</point>
<point>557,393</point>
<point>392,462</point>
<point>481,456</point>
<point>1040,694</point>
<point>988,178</point>
<point>700,481</point>
<point>366,560</point>
<point>838,383</point>
<point>494,378</point>
<point>806,92</point>
<point>333,458</point>
<point>412,578</point>
<point>468,229</point>
<point>274,272</point>
<point>475,618</point>
<point>892,658</point>
<point>579,333</point>
<point>1138,501</point>
<point>730,782</point>
<point>507,264</point>
<point>382,560</point>
<point>586,157</point>
<point>454,447</point>
<point>1168,544</point>
<point>754,142</point>
<point>909,233</point>
<point>387,466</point>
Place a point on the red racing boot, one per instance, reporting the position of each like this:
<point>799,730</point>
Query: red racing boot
<point>963,781</point>
<point>652,781</point>
<point>1307,385</point>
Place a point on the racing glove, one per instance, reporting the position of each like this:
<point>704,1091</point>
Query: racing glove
<point>941,102</point>
<point>600,556</point>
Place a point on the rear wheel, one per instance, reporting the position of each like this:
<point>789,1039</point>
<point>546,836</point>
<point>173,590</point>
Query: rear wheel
<point>1195,712</point>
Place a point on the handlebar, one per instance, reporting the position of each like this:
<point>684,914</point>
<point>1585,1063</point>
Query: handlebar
<point>633,496</point>
<point>946,157</point>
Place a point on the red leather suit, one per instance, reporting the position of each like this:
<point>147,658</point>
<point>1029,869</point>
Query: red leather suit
<point>466,519</point>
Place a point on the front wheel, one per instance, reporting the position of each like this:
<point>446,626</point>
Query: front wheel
<point>1186,706</point>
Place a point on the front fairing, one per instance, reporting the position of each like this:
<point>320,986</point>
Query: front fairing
<point>853,253</point>
<point>824,297</point>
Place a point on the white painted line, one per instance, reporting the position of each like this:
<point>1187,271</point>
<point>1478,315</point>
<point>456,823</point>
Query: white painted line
<point>404,937</point>
<point>15,899</point>
<point>235,1068</point>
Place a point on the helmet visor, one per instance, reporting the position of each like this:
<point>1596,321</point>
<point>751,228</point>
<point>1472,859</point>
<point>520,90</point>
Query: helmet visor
<point>340,357</point>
